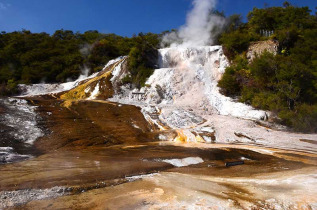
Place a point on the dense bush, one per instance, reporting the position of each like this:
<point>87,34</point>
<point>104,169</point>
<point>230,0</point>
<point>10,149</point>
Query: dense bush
<point>235,42</point>
<point>281,84</point>
<point>27,57</point>
<point>235,77</point>
<point>304,118</point>
<point>143,59</point>
<point>286,83</point>
<point>286,22</point>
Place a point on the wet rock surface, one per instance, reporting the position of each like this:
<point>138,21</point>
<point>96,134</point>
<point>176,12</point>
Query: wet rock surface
<point>95,149</point>
<point>19,128</point>
<point>169,152</point>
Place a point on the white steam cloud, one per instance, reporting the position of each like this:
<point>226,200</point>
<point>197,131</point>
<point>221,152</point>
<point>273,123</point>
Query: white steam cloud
<point>85,50</point>
<point>198,28</point>
<point>84,72</point>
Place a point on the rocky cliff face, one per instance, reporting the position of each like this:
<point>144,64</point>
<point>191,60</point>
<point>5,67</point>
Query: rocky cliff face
<point>257,48</point>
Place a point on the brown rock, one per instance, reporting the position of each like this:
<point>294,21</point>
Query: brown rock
<point>257,48</point>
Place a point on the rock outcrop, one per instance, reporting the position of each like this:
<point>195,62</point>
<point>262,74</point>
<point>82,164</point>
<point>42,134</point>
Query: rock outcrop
<point>257,48</point>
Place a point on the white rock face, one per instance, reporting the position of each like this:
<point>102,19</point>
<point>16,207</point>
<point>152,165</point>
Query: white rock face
<point>42,89</point>
<point>189,77</point>
<point>180,118</point>
<point>117,73</point>
<point>185,94</point>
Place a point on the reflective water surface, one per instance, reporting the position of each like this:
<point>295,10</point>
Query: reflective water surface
<point>96,151</point>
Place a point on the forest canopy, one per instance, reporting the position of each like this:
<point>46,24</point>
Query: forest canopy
<point>28,58</point>
<point>284,82</point>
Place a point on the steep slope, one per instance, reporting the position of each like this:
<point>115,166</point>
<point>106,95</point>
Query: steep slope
<point>82,88</point>
<point>188,78</point>
<point>99,86</point>
<point>182,95</point>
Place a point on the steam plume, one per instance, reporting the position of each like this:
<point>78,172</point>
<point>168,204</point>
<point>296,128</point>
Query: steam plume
<point>199,24</point>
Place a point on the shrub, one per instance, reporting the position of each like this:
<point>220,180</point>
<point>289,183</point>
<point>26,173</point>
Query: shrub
<point>228,83</point>
<point>304,119</point>
<point>234,77</point>
<point>235,42</point>
<point>142,60</point>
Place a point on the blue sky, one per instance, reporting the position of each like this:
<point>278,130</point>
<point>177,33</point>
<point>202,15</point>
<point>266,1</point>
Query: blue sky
<point>123,17</point>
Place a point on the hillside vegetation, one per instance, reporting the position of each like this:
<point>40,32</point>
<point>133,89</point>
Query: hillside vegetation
<point>285,83</point>
<point>28,58</point>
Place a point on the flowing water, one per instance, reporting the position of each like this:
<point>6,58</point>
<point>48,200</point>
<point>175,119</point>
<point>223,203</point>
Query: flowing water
<point>19,129</point>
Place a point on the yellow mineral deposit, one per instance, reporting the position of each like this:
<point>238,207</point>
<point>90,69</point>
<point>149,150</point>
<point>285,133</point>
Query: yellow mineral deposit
<point>186,136</point>
<point>84,90</point>
<point>199,139</point>
<point>181,137</point>
<point>67,103</point>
